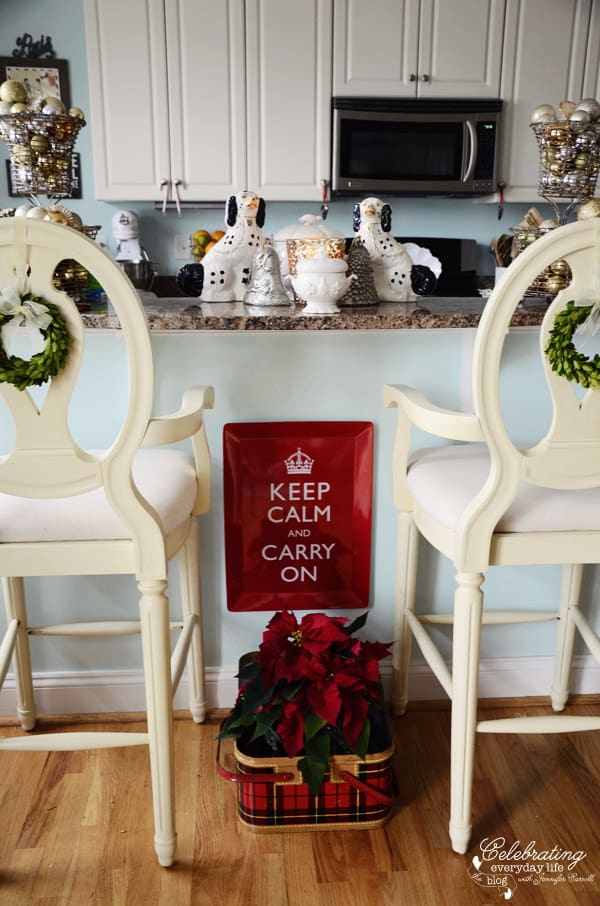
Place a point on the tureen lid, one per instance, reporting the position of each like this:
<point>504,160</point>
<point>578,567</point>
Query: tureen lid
<point>309,226</point>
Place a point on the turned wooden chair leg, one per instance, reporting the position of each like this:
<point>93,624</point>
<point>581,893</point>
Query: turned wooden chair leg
<point>406,583</point>
<point>189,572</point>
<point>570,591</point>
<point>154,619</point>
<point>468,607</point>
<point>13,588</point>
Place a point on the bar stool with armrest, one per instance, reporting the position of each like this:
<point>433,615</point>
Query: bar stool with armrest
<point>128,509</point>
<point>486,501</point>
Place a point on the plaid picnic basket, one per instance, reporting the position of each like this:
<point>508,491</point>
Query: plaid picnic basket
<point>272,796</point>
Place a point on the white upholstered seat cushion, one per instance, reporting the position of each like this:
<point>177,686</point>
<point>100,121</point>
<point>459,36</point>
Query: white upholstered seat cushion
<point>443,480</point>
<point>165,478</point>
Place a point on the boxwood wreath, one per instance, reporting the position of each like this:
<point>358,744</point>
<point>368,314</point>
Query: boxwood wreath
<point>42,366</point>
<point>562,354</point>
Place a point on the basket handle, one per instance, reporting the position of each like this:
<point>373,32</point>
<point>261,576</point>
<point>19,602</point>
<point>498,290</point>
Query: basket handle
<point>377,795</point>
<point>250,779</point>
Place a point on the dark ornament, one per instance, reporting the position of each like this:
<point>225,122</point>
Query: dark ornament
<point>190,279</point>
<point>36,50</point>
<point>423,280</point>
<point>362,290</point>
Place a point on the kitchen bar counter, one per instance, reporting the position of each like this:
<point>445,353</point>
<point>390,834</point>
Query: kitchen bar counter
<point>427,313</point>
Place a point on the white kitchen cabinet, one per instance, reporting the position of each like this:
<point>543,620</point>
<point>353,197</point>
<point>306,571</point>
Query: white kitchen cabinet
<point>548,45</point>
<point>204,99</point>
<point>167,98</point>
<point>418,48</point>
<point>288,60</point>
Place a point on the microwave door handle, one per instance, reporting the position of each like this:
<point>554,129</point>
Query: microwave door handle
<point>470,128</point>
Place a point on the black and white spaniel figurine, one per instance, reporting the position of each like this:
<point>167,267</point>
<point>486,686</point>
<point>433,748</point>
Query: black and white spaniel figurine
<point>397,277</point>
<point>225,271</point>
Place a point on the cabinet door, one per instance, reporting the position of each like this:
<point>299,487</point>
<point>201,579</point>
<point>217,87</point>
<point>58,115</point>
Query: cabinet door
<point>591,76</point>
<point>288,60</point>
<point>460,48</point>
<point>545,47</point>
<point>128,98</point>
<point>375,47</point>
<point>207,100</point>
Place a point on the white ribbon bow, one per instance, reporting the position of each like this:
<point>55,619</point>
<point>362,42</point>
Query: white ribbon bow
<point>34,312</point>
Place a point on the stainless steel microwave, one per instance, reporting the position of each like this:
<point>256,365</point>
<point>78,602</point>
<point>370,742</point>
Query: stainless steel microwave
<point>409,146</point>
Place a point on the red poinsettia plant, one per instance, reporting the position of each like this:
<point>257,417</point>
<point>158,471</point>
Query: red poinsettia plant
<point>311,689</point>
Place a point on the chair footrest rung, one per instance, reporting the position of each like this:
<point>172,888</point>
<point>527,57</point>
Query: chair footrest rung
<point>106,627</point>
<point>493,617</point>
<point>549,723</point>
<point>72,742</point>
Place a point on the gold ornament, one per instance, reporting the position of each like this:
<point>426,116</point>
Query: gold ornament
<point>582,160</point>
<point>557,135</point>
<point>592,106</point>
<point>554,284</point>
<point>13,91</point>
<point>77,113</point>
<point>39,142</point>
<point>589,209</point>
<point>579,116</point>
<point>544,113</point>
<point>19,107</point>
<point>560,267</point>
<point>52,105</point>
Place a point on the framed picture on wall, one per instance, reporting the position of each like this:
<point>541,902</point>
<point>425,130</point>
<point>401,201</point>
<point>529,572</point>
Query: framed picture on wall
<point>42,78</point>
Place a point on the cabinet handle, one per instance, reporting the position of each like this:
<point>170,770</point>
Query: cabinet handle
<point>412,77</point>
<point>426,78</point>
<point>176,184</point>
<point>164,187</point>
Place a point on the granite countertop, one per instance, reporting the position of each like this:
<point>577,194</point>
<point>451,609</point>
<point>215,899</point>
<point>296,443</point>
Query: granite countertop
<point>431,312</point>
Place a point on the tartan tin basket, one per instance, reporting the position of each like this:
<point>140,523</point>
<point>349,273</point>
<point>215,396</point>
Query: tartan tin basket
<point>272,796</point>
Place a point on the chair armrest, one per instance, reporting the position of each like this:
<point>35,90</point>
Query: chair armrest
<point>168,429</point>
<point>424,414</point>
<point>188,421</point>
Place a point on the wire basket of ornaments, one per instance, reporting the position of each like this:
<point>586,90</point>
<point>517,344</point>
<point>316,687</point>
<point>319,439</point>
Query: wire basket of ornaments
<point>40,135</point>
<point>568,140</point>
<point>554,277</point>
<point>569,152</point>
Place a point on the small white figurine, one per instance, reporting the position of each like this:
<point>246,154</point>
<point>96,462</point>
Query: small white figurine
<point>396,277</point>
<point>227,267</point>
<point>266,286</point>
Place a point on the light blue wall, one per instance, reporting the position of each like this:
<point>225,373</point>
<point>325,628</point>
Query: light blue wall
<point>63,21</point>
<point>313,375</point>
<point>278,376</point>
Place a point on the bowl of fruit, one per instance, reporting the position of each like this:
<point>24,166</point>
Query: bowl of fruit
<point>203,241</point>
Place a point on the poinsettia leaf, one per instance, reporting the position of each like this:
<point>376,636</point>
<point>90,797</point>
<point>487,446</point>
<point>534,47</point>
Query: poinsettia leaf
<point>313,771</point>
<point>290,690</point>
<point>356,624</point>
<point>312,724</point>
<point>314,764</point>
<point>233,727</point>
<point>291,728</point>
<point>362,743</point>
<point>318,746</point>
<point>254,697</point>
<point>265,721</point>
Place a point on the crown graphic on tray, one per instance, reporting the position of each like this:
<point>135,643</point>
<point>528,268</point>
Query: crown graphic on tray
<point>299,463</point>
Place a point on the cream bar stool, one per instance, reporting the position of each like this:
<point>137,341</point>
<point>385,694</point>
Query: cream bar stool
<point>488,502</point>
<point>67,511</point>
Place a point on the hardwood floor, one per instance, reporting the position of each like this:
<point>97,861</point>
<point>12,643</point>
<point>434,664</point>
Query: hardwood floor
<point>76,828</point>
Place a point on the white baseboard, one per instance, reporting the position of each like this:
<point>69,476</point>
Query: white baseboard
<point>119,691</point>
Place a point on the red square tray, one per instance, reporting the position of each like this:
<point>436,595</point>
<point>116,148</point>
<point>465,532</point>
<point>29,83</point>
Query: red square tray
<point>298,500</point>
